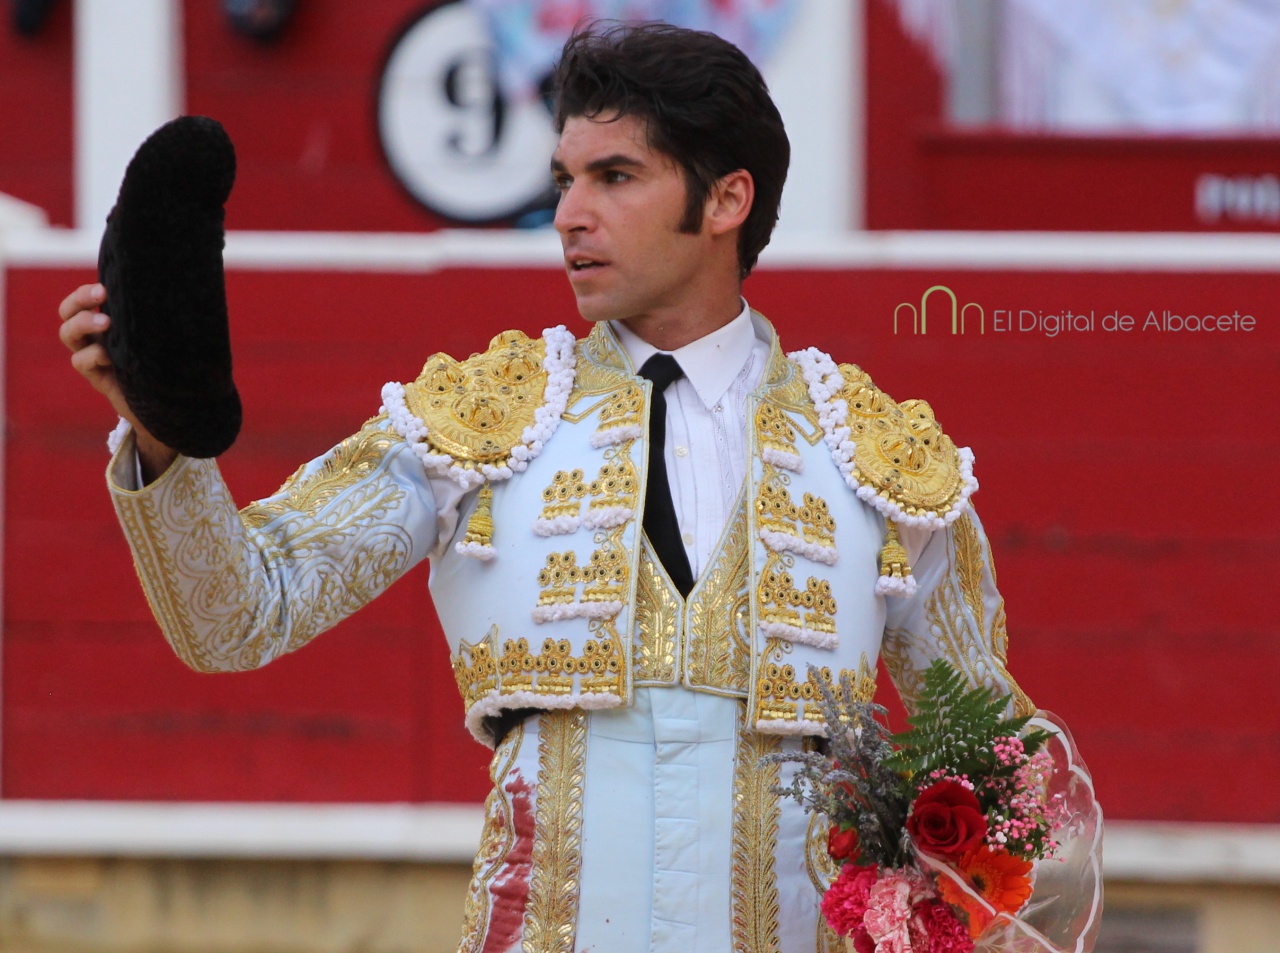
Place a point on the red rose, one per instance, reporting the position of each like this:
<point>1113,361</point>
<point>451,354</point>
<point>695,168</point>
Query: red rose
<point>946,820</point>
<point>842,843</point>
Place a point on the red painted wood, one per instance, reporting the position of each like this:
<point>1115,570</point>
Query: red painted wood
<point>1127,485</point>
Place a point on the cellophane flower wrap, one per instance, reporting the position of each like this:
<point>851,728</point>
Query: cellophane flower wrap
<point>971,831</point>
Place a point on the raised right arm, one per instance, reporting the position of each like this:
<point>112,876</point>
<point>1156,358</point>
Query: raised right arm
<point>233,590</point>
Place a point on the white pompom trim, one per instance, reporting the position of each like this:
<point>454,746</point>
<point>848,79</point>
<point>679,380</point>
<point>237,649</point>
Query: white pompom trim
<point>801,727</point>
<point>607,517</point>
<point>615,435</point>
<point>825,382</point>
<point>782,460</point>
<point>786,543</point>
<point>559,365</point>
<point>576,610</point>
<point>559,526</point>
<point>479,551</point>
<point>794,633</point>
<point>496,702</point>
<point>896,586</point>
<point>117,435</point>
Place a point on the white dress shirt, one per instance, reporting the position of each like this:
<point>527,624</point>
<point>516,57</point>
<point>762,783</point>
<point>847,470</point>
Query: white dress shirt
<point>706,447</point>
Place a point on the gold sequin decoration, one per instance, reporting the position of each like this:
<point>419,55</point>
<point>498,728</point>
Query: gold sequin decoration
<point>901,451</point>
<point>480,524</point>
<point>563,496</point>
<point>773,430</point>
<point>754,909</point>
<point>559,579</point>
<point>551,915</point>
<point>477,410</point>
<point>615,484</point>
<point>812,608</point>
<point>624,409</point>
<point>781,697</point>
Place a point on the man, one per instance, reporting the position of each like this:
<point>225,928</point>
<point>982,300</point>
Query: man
<point>634,577</point>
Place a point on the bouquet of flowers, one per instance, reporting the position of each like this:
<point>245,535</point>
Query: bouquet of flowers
<point>937,829</point>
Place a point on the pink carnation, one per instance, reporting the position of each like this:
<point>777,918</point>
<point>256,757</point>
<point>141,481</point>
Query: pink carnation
<point>845,904</point>
<point>946,933</point>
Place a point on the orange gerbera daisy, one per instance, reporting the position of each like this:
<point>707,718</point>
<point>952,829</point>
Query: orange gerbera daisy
<point>997,877</point>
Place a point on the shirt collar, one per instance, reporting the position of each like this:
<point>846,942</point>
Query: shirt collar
<point>711,363</point>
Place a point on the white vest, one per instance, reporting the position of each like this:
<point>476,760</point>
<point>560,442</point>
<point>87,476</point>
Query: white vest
<point>552,597</point>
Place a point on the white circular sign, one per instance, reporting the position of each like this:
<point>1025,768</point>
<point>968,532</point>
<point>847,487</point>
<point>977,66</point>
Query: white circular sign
<point>451,137</point>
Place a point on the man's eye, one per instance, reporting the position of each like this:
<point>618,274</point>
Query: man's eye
<point>561,183</point>
<point>614,176</point>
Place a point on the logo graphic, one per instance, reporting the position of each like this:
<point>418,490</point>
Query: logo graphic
<point>920,319</point>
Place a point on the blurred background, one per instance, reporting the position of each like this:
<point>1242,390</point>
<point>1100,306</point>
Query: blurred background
<point>1056,222</point>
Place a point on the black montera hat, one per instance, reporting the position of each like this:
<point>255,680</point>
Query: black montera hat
<point>161,263</point>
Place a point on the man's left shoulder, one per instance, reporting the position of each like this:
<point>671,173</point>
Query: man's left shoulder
<point>895,455</point>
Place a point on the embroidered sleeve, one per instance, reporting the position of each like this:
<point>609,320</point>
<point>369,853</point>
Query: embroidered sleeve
<point>234,590</point>
<point>955,613</point>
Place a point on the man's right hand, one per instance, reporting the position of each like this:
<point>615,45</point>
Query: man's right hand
<point>81,331</point>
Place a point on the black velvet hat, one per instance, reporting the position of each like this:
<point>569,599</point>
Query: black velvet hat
<point>161,263</point>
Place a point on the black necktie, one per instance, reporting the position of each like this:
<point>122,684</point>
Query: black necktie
<point>659,512</point>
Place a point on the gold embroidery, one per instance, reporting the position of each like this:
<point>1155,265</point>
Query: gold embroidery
<point>756,813</point>
<point>774,509</point>
<point>480,525</point>
<point>816,522</point>
<point>822,871</point>
<point>230,595</point>
<point>954,636</point>
<point>893,555</point>
<point>496,841</point>
<point>657,624</point>
<point>551,916</point>
<point>900,450</point>
<point>774,430</point>
<point>351,461</point>
<point>559,578</point>
<point>600,367</point>
<point>477,410</point>
<point>812,609</point>
<point>625,409</point>
<point>718,654</point>
<point>605,577</point>
<point>599,667</point>
<point>475,669</point>
<point>969,567</point>
<point>780,697</point>
<point>615,484</point>
<point>563,497</point>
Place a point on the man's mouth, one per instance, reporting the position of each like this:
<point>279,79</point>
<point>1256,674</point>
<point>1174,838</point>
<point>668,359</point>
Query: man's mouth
<point>578,265</point>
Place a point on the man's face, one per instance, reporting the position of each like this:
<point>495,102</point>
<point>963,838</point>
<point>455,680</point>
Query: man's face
<point>620,209</point>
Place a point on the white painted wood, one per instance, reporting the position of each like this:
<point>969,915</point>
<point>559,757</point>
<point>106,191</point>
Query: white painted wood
<point>411,252</point>
<point>128,81</point>
<point>449,833</point>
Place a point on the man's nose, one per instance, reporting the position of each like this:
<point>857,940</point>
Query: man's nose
<point>573,212</point>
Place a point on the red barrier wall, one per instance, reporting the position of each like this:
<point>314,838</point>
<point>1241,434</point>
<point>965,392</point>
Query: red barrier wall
<point>1127,484</point>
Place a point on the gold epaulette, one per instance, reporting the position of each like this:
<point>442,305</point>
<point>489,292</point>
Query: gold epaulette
<point>476,410</point>
<point>917,475</point>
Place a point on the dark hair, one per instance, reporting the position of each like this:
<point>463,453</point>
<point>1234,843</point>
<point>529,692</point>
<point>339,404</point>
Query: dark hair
<point>703,102</point>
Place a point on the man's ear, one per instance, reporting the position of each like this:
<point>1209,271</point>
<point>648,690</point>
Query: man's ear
<point>729,201</point>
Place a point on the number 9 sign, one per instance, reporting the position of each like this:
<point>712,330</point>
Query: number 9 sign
<point>449,133</point>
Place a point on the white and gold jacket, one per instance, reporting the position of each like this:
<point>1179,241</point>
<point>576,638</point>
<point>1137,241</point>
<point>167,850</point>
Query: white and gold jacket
<point>522,472</point>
